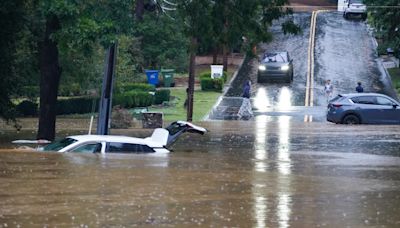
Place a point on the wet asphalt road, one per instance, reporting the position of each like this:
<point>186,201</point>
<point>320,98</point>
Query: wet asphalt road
<point>345,53</point>
<point>274,172</point>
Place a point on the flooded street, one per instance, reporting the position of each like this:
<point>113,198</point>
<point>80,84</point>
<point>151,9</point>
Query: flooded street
<point>275,172</point>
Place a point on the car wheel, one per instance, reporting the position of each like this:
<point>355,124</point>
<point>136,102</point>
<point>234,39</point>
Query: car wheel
<point>351,119</point>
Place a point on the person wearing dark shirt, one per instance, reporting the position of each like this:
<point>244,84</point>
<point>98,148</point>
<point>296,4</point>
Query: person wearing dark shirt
<point>359,88</point>
<point>246,89</point>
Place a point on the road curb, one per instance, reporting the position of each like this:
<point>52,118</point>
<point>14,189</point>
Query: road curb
<point>225,90</point>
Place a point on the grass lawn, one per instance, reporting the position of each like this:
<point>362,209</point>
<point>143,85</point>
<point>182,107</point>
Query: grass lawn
<point>203,102</point>
<point>395,74</point>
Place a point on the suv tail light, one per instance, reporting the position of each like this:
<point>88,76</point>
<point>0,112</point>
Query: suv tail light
<point>337,105</point>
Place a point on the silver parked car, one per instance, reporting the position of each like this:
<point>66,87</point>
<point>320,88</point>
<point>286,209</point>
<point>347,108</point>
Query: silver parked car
<point>355,7</point>
<point>275,66</point>
<point>363,108</point>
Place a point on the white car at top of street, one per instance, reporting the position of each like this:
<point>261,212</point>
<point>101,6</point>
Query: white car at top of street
<point>156,143</point>
<point>355,7</point>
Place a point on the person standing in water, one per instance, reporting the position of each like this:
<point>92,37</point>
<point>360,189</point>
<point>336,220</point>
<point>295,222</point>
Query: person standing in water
<point>359,88</point>
<point>246,89</point>
<point>328,89</point>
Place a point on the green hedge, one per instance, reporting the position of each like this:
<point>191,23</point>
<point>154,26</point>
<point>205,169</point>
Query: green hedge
<point>209,84</point>
<point>79,105</point>
<point>162,95</point>
<point>27,108</point>
<point>127,87</point>
<point>133,99</point>
<point>207,74</point>
<point>83,105</point>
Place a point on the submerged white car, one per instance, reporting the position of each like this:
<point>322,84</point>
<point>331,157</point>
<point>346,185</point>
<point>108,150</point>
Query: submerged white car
<point>156,143</point>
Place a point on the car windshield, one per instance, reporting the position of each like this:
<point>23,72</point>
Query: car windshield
<point>57,145</point>
<point>356,1</point>
<point>280,57</point>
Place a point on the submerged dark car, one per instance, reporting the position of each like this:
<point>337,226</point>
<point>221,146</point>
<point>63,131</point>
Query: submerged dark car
<point>275,66</point>
<point>363,108</point>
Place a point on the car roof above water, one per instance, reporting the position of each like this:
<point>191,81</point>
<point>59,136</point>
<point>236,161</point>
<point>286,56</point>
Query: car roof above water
<point>362,94</point>
<point>106,138</point>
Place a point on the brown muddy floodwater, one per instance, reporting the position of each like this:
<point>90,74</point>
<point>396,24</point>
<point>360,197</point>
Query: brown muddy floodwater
<point>263,173</point>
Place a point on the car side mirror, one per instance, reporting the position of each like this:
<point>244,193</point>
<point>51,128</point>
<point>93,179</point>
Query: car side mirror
<point>395,106</point>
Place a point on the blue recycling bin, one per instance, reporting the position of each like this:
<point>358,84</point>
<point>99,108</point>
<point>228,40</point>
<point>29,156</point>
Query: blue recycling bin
<point>152,77</point>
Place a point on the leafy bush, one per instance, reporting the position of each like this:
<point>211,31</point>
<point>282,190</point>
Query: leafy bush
<point>162,95</point>
<point>133,99</point>
<point>27,108</point>
<point>127,87</point>
<point>77,105</point>
<point>209,84</point>
<point>82,105</point>
<point>207,74</point>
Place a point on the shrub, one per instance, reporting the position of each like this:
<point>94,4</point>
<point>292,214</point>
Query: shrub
<point>207,74</point>
<point>27,108</point>
<point>133,99</point>
<point>77,105</point>
<point>209,84</point>
<point>128,87</point>
<point>162,95</point>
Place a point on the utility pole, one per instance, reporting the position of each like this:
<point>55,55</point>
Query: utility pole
<point>105,106</point>
<point>192,64</point>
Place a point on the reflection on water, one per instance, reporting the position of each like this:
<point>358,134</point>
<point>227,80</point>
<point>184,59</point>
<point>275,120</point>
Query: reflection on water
<point>261,143</point>
<point>285,98</point>
<point>264,156</point>
<point>284,145</point>
<point>261,101</point>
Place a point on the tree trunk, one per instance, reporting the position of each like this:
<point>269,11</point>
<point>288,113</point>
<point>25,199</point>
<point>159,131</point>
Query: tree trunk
<point>225,39</point>
<point>139,9</point>
<point>50,73</point>
<point>215,56</point>
<point>225,57</point>
<point>193,51</point>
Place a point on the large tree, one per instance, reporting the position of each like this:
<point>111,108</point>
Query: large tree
<point>11,21</point>
<point>196,15</point>
<point>76,25</point>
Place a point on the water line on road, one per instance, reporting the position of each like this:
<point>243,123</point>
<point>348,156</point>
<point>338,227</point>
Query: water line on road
<point>310,58</point>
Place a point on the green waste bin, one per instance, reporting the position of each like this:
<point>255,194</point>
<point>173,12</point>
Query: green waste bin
<point>168,77</point>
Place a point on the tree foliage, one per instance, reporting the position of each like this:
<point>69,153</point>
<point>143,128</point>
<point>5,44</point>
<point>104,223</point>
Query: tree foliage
<point>385,17</point>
